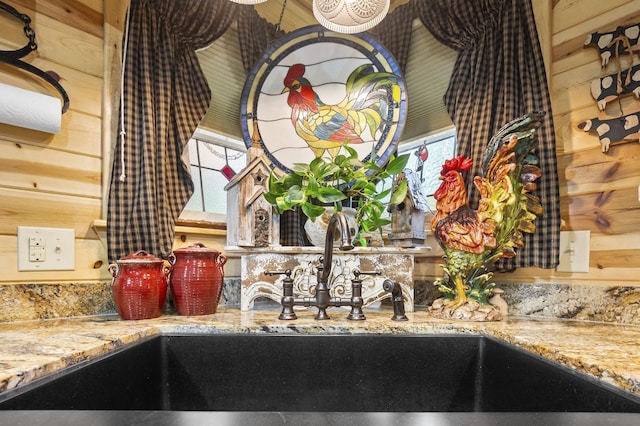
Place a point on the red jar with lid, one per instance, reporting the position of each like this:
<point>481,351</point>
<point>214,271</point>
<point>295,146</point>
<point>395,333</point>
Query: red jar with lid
<point>139,285</point>
<point>196,280</point>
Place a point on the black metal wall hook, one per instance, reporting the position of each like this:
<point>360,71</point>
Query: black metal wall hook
<point>13,57</point>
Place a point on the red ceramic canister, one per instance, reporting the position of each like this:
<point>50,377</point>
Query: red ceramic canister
<point>196,279</point>
<point>139,285</point>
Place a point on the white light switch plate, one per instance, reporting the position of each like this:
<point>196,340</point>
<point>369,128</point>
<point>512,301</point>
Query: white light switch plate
<point>46,249</point>
<point>574,251</point>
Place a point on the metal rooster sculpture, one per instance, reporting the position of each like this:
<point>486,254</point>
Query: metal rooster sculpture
<point>473,240</point>
<point>324,127</point>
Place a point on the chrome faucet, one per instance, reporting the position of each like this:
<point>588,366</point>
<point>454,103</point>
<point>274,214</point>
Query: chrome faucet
<point>322,299</point>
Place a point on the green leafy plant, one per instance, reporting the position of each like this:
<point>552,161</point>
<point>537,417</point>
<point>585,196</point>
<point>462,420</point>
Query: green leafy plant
<point>324,181</point>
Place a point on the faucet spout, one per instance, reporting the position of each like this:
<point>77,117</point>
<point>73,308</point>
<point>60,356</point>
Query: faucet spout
<point>337,221</point>
<point>323,299</point>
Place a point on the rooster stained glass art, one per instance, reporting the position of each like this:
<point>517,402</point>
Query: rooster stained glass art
<point>315,90</point>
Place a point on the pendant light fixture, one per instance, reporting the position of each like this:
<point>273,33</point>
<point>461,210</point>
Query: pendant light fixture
<point>350,16</point>
<point>249,1</point>
<point>344,16</point>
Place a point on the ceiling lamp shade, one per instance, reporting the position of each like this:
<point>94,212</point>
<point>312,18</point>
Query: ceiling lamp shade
<point>248,1</point>
<point>350,16</point>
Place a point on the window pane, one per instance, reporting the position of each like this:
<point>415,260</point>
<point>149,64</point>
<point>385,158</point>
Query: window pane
<point>215,197</point>
<point>237,159</point>
<point>215,157</point>
<point>193,152</point>
<point>211,156</point>
<point>440,147</point>
<point>438,153</point>
<point>195,203</point>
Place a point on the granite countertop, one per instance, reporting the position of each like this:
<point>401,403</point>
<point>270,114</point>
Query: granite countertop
<point>33,349</point>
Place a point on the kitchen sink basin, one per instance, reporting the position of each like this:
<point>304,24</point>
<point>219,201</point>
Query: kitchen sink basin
<point>321,373</point>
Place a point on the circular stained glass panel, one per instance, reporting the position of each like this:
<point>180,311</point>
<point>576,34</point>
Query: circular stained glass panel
<point>315,90</point>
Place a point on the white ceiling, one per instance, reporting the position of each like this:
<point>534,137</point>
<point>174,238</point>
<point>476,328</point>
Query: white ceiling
<point>426,76</point>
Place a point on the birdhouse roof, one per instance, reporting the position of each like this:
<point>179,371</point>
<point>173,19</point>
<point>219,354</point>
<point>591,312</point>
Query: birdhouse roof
<point>253,198</point>
<point>257,162</point>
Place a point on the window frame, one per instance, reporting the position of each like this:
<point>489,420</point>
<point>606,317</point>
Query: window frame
<point>196,218</point>
<point>199,218</point>
<point>430,139</point>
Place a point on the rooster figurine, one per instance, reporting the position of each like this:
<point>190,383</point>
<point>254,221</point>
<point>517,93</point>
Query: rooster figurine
<point>369,101</point>
<point>473,240</point>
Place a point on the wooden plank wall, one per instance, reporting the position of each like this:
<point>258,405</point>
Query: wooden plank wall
<point>55,180</point>
<point>599,192</point>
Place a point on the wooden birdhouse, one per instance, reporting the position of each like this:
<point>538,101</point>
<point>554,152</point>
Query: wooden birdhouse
<point>408,217</point>
<point>251,220</point>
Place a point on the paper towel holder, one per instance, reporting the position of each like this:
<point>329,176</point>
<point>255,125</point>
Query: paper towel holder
<point>12,57</point>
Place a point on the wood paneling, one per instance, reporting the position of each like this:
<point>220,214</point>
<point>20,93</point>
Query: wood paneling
<point>608,212</point>
<point>592,171</point>
<point>79,134</point>
<point>56,180</point>
<point>38,208</point>
<point>90,264</point>
<point>69,46</point>
<point>27,167</point>
<point>86,15</point>
<point>568,43</point>
<point>574,15</point>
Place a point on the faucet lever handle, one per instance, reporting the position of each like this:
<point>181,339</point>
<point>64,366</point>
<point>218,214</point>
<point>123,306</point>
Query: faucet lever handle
<point>287,300</point>
<point>358,272</point>
<point>286,272</point>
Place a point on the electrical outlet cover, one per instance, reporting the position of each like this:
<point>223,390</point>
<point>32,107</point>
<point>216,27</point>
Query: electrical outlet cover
<point>574,251</point>
<point>58,245</point>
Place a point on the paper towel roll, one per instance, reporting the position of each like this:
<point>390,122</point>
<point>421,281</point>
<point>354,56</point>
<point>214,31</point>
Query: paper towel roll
<point>30,110</point>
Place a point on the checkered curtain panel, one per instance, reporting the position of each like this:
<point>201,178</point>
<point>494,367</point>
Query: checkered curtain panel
<point>254,36</point>
<point>499,75</point>
<point>394,32</point>
<point>164,98</point>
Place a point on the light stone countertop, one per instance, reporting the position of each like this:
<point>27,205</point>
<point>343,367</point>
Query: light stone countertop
<point>33,349</point>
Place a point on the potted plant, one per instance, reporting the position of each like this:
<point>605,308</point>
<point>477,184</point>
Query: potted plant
<point>330,182</point>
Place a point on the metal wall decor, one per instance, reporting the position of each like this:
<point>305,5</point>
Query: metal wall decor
<point>14,57</point>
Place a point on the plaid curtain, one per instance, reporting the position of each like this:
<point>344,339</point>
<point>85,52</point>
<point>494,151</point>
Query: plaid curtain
<point>254,36</point>
<point>394,32</point>
<point>499,75</point>
<point>164,98</point>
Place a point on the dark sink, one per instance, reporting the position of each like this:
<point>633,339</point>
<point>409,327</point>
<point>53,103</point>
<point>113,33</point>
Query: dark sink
<point>314,373</point>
